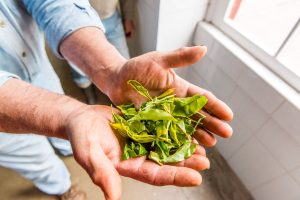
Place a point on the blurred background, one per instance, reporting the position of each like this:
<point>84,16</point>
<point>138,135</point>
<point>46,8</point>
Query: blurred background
<point>252,63</point>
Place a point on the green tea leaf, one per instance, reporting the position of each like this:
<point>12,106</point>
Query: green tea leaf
<point>153,114</point>
<point>173,132</point>
<point>155,157</point>
<point>132,150</point>
<point>166,93</point>
<point>139,88</point>
<point>163,128</point>
<point>137,126</point>
<point>128,110</point>
<point>186,107</point>
<point>184,152</point>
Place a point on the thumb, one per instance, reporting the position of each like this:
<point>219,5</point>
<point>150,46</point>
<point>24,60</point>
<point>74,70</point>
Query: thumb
<point>183,57</point>
<point>105,175</point>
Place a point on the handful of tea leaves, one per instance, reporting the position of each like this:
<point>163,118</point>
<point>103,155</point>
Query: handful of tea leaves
<point>161,128</point>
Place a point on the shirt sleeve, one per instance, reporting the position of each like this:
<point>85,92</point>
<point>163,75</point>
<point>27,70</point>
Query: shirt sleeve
<point>58,19</point>
<point>5,76</point>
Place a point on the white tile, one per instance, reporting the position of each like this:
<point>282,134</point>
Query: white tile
<point>205,68</point>
<point>224,59</point>
<point>247,110</point>
<point>193,77</point>
<point>281,188</point>
<point>222,86</point>
<point>281,145</point>
<point>288,117</point>
<point>254,164</point>
<point>241,134</point>
<point>202,37</point>
<point>296,174</point>
<point>260,91</point>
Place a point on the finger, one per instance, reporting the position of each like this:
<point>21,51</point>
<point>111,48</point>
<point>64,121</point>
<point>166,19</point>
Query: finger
<point>105,175</point>
<point>200,150</point>
<point>216,126</point>
<point>152,173</point>
<point>196,162</point>
<point>205,137</point>
<point>183,57</point>
<point>214,105</point>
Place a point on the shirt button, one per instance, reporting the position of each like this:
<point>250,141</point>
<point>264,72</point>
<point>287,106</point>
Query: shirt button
<point>23,54</point>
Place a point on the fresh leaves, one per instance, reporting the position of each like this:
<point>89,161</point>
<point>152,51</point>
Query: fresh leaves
<point>161,128</point>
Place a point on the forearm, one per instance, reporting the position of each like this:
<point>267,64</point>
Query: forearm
<point>28,109</point>
<point>89,50</point>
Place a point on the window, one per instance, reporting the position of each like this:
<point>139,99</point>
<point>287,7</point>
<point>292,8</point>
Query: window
<point>269,30</point>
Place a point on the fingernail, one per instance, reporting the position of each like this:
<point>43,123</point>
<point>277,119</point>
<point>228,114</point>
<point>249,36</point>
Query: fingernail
<point>208,165</point>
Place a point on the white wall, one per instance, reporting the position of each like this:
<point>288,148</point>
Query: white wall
<point>165,25</point>
<point>177,22</point>
<point>265,148</point>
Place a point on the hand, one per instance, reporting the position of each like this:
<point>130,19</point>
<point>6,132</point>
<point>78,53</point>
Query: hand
<point>128,27</point>
<point>98,150</point>
<point>155,71</point>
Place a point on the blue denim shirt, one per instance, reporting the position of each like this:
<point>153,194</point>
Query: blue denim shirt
<point>23,25</point>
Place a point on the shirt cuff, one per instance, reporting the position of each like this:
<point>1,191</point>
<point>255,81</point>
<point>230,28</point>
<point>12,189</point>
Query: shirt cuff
<point>58,19</point>
<point>80,15</point>
<point>5,76</point>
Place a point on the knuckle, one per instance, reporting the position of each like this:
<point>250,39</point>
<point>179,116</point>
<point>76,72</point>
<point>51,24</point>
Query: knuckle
<point>96,178</point>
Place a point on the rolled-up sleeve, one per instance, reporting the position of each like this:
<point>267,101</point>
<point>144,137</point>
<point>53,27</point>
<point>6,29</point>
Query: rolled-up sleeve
<point>5,76</point>
<point>58,18</point>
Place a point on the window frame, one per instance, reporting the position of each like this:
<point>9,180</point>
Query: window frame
<point>215,15</point>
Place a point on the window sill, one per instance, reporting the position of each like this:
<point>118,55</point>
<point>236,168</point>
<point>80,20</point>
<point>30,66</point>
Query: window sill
<point>285,90</point>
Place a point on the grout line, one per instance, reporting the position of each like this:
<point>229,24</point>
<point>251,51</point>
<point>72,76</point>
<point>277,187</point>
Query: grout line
<point>293,137</point>
<point>292,177</point>
<point>279,163</point>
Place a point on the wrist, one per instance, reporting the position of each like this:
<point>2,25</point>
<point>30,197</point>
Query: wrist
<point>69,109</point>
<point>88,49</point>
<point>105,75</point>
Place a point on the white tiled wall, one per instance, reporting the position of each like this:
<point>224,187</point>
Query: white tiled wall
<point>287,116</point>
<point>254,164</point>
<point>281,188</point>
<point>265,148</point>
